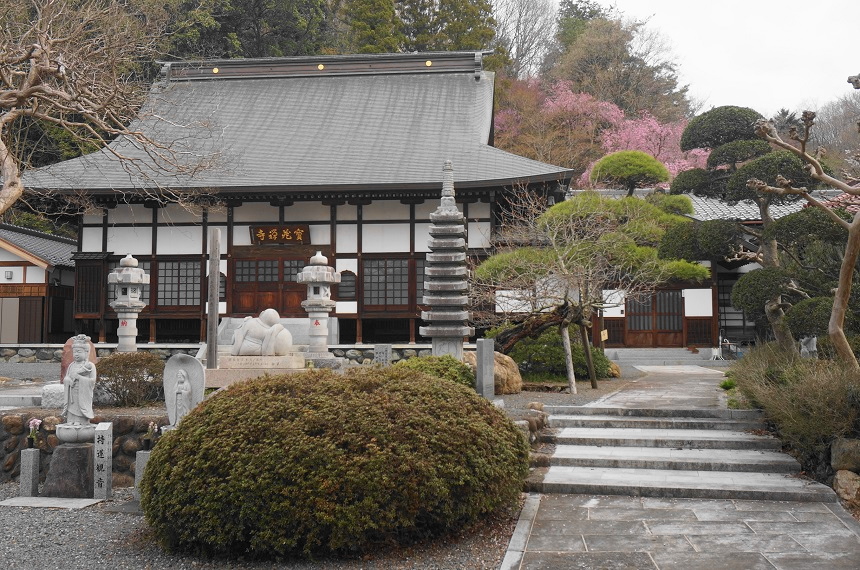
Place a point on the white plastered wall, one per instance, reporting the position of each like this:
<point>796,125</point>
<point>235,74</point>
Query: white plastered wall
<point>422,237</point>
<point>176,214</point>
<point>307,211</point>
<point>615,299</point>
<point>125,214</point>
<point>347,238</point>
<point>347,212</point>
<point>17,274</point>
<point>256,213</point>
<point>385,210</point>
<point>479,235</point>
<point>180,240</point>
<point>91,239</point>
<point>35,274</point>
<point>122,241</point>
<point>385,238</point>
<point>698,303</point>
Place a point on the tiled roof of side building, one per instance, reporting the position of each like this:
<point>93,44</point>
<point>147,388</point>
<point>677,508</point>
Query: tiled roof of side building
<point>54,250</point>
<point>287,129</point>
<point>745,211</point>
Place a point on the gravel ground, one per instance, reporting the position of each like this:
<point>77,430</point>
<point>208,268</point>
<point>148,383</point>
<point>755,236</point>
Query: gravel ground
<point>100,537</point>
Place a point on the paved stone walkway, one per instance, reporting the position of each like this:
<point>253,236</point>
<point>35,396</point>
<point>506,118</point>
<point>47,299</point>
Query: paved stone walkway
<point>564,531</point>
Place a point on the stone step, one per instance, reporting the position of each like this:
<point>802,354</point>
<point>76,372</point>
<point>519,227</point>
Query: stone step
<point>672,438</point>
<point>676,459</point>
<point>654,412</point>
<point>20,400</point>
<point>613,421</point>
<point>678,484</point>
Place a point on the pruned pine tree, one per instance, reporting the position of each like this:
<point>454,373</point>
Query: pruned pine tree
<point>551,266</point>
<point>785,186</point>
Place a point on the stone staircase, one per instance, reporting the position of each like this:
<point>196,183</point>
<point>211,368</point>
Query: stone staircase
<point>671,453</point>
<point>660,356</point>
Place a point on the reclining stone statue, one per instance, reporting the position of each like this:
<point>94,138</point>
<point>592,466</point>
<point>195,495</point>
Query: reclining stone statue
<point>262,336</point>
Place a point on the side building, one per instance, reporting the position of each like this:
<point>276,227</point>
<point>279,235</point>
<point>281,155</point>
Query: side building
<point>36,286</point>
<point>338,154</point>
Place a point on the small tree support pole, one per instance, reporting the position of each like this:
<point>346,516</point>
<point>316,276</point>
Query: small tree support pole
<point>565,339</point>
<point>586,347</point>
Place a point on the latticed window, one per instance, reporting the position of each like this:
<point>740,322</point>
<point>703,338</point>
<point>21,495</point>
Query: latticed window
<point>178,283</point>
<point>292,267</point>
<point>249,270</point>
<point>346,287</point>
<point>419,281</point>
<point>386,281</point>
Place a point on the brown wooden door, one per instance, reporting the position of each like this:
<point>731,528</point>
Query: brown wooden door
<point>30,319</point>
<point>656,320</point>
<point>260,284</point>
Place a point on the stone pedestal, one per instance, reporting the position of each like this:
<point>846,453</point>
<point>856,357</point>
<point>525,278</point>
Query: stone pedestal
<point>237,368</point>
<point>30,472</point>
<point>71,473</point>
<point>126,332</point>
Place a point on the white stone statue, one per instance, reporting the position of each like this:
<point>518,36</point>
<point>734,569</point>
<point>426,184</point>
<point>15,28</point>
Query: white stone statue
<point>184,383</point>
<point>809,347</point>
<point>79,384</point>
<point>262,336</point>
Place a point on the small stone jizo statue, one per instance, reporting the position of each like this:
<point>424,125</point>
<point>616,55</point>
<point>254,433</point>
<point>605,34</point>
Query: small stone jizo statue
<point>79,384</point>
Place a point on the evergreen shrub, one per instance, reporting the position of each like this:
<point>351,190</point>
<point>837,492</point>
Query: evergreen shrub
<point>131,378</point>
<point>446,367</point>
<point>546,354</point>
<point>319,463</point>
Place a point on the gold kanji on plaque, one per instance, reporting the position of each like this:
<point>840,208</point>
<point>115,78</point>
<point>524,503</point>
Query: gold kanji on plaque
<point>281,234</point>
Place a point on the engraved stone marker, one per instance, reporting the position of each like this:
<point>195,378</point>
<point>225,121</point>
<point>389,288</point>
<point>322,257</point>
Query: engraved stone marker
<point>103,461</point>
<point>382,354</point>
<point>485,370</point>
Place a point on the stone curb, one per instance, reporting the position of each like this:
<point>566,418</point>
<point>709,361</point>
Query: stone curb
<point>517,545</point>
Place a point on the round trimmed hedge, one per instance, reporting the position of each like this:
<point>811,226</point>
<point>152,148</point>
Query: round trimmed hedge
<point>319,463</point>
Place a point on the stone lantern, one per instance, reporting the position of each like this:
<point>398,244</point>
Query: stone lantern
<point>129,280</point>
<point>319,277</point>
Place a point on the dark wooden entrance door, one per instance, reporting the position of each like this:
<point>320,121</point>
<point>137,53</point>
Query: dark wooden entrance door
<point>265,279</point>
<point>30,317</point>
<point>656,320</point>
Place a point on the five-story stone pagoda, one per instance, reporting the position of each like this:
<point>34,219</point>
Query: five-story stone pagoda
<point>446,284</point>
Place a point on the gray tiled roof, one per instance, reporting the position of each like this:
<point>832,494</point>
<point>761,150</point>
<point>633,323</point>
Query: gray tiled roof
<point>746,211</point>
<point>55,250</point>
<point>300,133</point>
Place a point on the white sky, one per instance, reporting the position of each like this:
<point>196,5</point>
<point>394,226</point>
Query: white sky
<point>763,54</point>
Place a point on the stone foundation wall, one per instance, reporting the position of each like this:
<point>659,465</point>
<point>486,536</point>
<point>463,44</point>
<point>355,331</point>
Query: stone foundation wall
<point>54,352</point>
<point>365,356</point>
<point>128,432</point>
